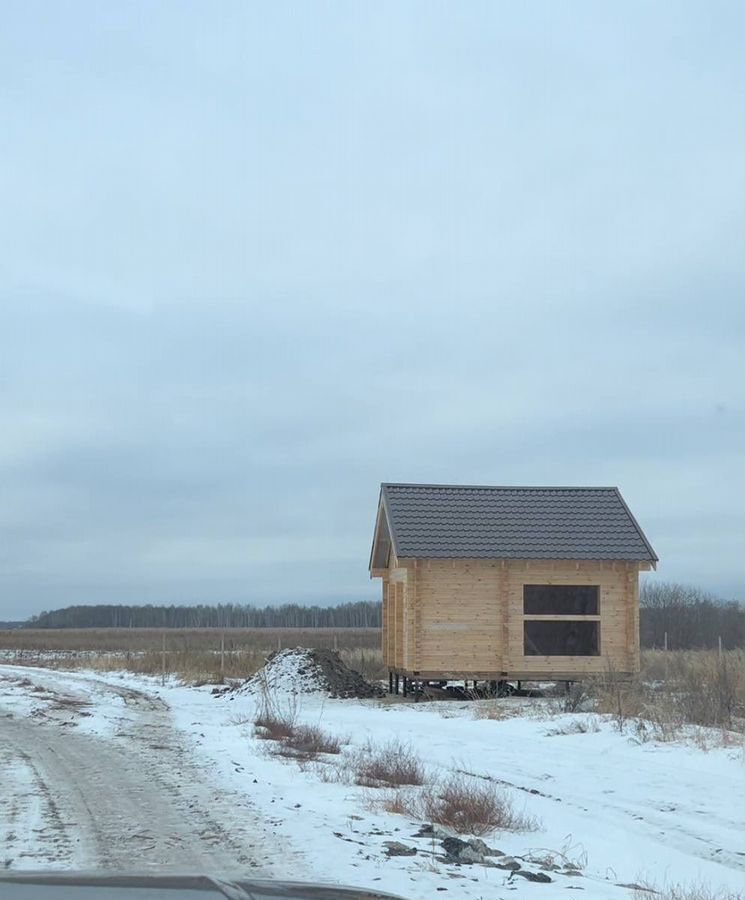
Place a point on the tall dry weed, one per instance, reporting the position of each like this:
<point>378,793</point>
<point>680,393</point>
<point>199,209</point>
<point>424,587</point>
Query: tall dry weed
<point>471,806</point>
<point>677,689</point>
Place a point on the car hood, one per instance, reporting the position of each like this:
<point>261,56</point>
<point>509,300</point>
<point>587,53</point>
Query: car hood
<point>110,886</point>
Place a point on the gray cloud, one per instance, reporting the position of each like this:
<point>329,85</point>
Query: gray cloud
<point>255,263</point>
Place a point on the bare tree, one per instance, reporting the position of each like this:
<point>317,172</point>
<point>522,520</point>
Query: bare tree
<point>360,614</point>
<point>691,617</point>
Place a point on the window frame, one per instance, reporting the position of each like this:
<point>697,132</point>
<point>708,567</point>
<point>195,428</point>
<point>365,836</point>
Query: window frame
<point>564,617</point>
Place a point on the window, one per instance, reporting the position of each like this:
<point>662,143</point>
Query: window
<point>561,620</point>
<point>560,599</point>
<point>562,638</point>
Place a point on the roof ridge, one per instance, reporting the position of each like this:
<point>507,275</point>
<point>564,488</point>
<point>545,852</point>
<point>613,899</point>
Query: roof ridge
<point>500,487</point>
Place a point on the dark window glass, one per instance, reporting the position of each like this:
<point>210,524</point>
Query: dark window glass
<point>561,638</point>
<point>560,599</point>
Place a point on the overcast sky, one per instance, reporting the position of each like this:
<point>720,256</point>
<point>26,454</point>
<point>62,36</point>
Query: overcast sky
<point>257,258</point>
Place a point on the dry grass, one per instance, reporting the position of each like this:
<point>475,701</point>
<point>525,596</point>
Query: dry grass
<point>709,689</point>
<point>469,806</point>
<point>676,690</point>
<point>302,742</point>
<point>270,727</point>
<point>576,726</point>
<point>365,660</point>
<point>463,804</point>
<point>277,721</point>
<point>192,654</point>
<point>494,710</point>
<point>399,804</point>
<point>308,741</point>
<point>191,666</point>
<point>392,765</point>
<point>110,640</point>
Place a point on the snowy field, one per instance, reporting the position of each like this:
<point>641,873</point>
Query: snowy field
<point>623,812</point>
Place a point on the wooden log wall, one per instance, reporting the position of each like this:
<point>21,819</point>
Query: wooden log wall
<point>618,643</point>
<point>466,616</point>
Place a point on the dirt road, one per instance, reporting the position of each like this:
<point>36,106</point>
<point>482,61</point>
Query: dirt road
<point>115,790</point>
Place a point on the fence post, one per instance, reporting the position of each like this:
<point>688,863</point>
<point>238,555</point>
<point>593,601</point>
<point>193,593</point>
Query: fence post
<point>163,660</point>
<point>720,646</point>
<point>222,654</point>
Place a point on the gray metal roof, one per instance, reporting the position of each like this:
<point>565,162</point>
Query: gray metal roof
<point>444,521</point>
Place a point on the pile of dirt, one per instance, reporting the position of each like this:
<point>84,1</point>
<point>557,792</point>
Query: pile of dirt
<point>306,671</point>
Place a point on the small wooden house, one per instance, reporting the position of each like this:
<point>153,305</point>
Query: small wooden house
<point>508,583</point>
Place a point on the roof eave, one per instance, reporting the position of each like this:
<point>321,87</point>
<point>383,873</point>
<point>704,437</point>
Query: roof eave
<point>652,555</point>
<point>376,531</point>
<point>389,518</point>
<point>512,557</point>
<point>384,510</point>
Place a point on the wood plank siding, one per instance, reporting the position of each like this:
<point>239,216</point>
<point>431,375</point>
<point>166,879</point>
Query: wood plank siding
<point>463,618</point>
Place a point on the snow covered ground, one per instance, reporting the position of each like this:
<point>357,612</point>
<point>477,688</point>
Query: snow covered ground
<point>626,812</point>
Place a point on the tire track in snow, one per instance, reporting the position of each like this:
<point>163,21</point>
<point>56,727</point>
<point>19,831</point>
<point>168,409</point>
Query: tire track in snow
<point>134,800</point>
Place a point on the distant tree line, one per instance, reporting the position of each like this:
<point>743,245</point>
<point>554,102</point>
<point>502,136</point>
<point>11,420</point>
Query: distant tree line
<point>361,614</point>
<point>692,618</point>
